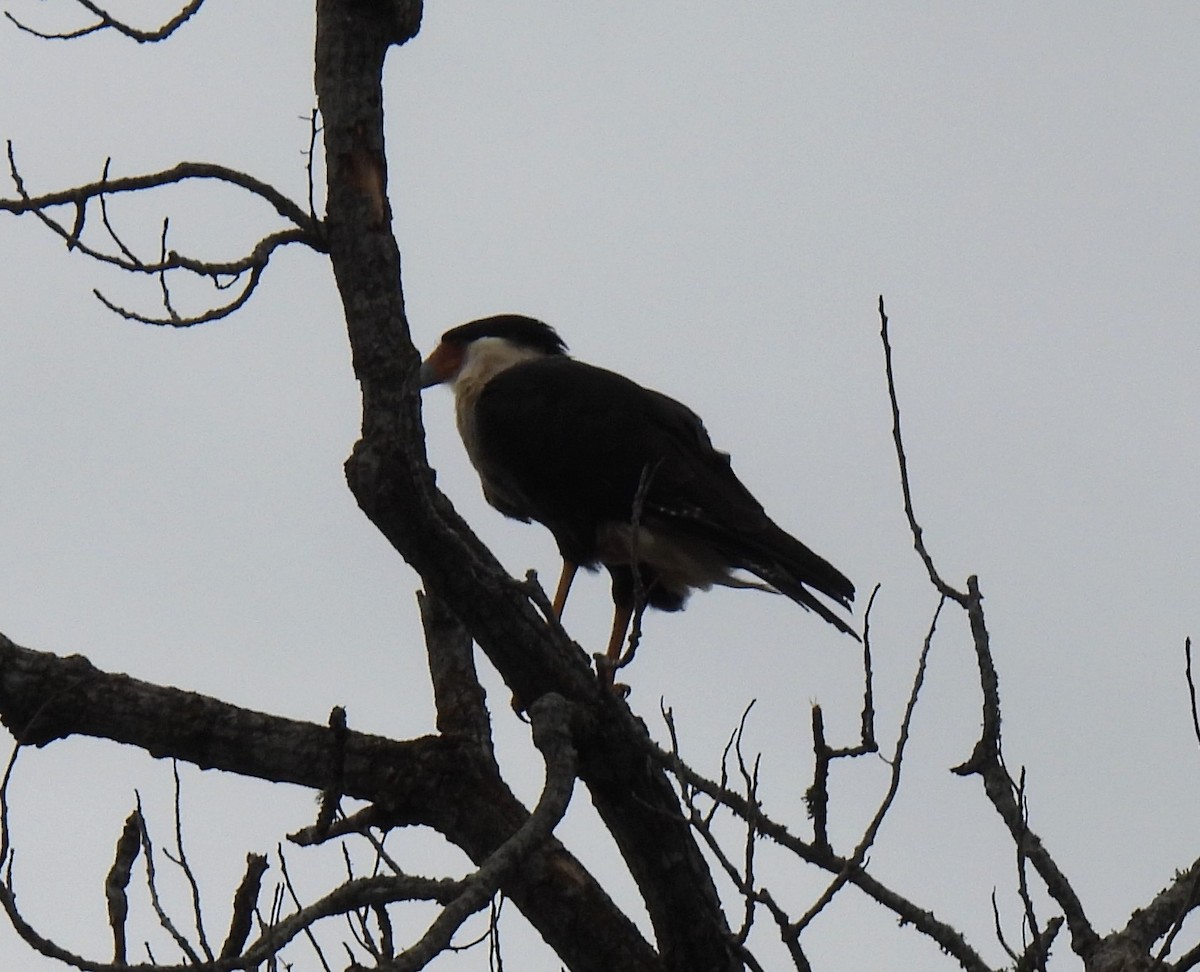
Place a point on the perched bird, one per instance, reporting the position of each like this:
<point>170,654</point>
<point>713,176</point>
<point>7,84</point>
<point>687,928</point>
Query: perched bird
<point>623,476</point>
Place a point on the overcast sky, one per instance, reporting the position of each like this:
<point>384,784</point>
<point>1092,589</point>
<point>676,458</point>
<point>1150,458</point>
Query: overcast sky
<point>710,198</point>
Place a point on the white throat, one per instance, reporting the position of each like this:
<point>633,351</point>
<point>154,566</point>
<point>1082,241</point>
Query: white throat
<point>486,358</point>
<point>482,361</point>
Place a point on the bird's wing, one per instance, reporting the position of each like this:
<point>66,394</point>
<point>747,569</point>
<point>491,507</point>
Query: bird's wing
<point>703,497</point>
<point>569,445</point>
<point>563,442</point>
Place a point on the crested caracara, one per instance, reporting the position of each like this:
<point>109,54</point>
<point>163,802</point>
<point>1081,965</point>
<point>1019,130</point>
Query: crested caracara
<point>623,476</point>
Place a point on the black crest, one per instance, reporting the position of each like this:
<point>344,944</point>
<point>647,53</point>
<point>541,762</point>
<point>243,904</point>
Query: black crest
<point>520,330</point>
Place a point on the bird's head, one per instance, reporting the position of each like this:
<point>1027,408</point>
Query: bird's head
<point>484,347</point>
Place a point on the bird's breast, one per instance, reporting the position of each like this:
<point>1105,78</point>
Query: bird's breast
<point>498,488</point>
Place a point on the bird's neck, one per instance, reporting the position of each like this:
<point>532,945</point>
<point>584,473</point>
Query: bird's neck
<point>484,359</point>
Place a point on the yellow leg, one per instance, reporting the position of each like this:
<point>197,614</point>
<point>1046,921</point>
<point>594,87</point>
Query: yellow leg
<point>564,587</point>
<point>616,642</point>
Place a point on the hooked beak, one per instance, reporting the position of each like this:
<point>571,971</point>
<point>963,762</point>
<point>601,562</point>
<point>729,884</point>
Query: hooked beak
<point>429,375</point>
<point>441,365</point>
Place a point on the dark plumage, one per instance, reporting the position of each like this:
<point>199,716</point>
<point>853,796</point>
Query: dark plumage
<point>575,447</point>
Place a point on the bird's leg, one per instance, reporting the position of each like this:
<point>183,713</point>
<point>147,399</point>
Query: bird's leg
<point>564,586</point>
<point>607,666</point>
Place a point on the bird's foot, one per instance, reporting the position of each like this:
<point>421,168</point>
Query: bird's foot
<point>518,707</point>
<point>606,668</point>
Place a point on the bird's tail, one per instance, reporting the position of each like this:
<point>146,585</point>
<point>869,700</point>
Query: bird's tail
<point>792,569</point>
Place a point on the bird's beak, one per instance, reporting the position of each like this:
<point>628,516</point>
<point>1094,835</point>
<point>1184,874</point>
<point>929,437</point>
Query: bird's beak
<point>428,374</point>
<point>441,365</point>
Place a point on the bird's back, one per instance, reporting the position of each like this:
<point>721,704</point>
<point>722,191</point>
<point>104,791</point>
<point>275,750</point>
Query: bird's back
<point>569,444</point>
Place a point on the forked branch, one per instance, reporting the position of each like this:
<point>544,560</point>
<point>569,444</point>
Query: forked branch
<point>82,200</point>
<point>106,21</point>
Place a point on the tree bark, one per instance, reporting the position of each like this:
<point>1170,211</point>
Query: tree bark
<point>440,782</point>
<point>391,480</point>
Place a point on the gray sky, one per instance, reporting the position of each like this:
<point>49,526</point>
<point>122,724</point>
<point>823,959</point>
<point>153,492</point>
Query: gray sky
<point>710,198</point>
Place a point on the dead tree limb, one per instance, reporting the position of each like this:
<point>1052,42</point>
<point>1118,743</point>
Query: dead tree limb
<point>434,781</point>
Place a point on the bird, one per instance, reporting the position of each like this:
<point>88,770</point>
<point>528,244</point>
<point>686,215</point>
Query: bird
<point>623,476</point>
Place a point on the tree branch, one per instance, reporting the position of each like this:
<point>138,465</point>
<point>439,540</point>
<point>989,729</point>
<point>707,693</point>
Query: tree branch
<point>550,716</point>
<point>915,528</point>
<point>180,173</point>
<point>393,484</point>
<point>306,229</point>
<point>944,934</point>
<point>433,781</point>
<point>108,22</point>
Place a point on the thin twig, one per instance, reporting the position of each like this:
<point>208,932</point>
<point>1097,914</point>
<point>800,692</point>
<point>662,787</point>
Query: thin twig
<point>108,22</point>
<point>179,173</point>
<point>1036,960</point>
<point>855,861</point>
<point>183,865</point>
<point>922,919</point>
<point>101,198</point>
<point>314,129</point>
<point>495,952</point>
<point>869,744</point>
<point>1191,684</point>
<point>917,534</point>
<point>639,587</point>
<point>151,882</point>
<point>215,314</point>
<point>307,927</point>
<point>172,315</point>
<point>998,927</point>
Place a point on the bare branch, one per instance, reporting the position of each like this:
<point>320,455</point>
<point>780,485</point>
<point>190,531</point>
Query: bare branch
<point>856,859</point>
<point>495,953</point>
<point>152,885</point>
<point>222,274</point>
<point>917,534</point>
<point>1188,960</point>
<point>458,697</point>
<point>986,762</point>
<point>180,173</point>
<point>742,877</point>
<point>244,901</point>
<point>1186,907</point>
<point>214,314</point>
<point>1165,914</point>
<point>550,716</point>
<point>182,863</point>
<point>103,201</point>
<point>108,22</point>
<point>945,935</point>
<point>1035,959</point>
<point>1035,956</point>
<point>331,795</point>
<point>314,130</point>
<point>387,947</point>
<point>304,927</point>
<point>817,795</point>
<point>1191,684</point>
<point>431,781</point>
<point>117,883</point>
<point>869,745</point>
<point>162,274</point>
<point>998,927</point>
